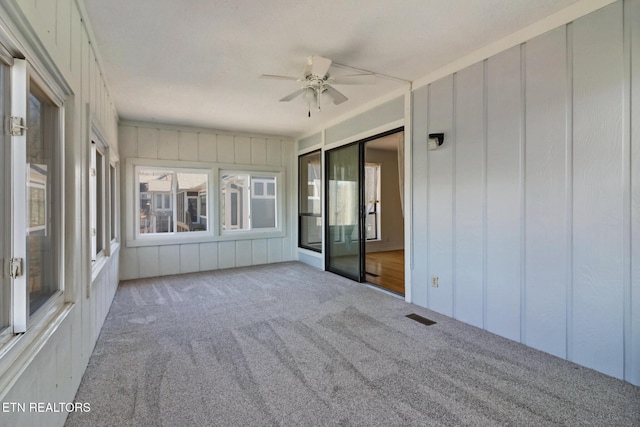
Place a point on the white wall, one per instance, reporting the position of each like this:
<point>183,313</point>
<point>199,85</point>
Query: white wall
<point>48,366</point>
<point>166,142</point>
<point>525,213</point>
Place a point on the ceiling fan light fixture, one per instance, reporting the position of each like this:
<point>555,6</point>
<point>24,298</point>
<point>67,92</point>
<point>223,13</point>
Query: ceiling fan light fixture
<point>310,97</point>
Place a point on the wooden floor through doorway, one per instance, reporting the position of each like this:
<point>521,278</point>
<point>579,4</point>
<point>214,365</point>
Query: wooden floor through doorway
<point>386,269</point>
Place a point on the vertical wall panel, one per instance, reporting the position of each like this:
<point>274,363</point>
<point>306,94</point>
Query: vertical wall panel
<point>226,254</point>
<point>98,107</point>
<point>188,146</point>
<point>274,152</point>
<point>504,109</point>
<point>63,34</point>
<point>259,252</point>
<point>84,70</point>
<point>275,249</point>
<point>208,256</point>
<point>243,253</point>
<point>149,260</point>
<point>46,23</point>
<point>469,193</point>
<point>207,147</point>
<point>546,233</point>
<point>128,141</point>
<point>632,374</point>
<point>258,151</point>
<point>92,77</point>
<point>597,222</point>
<point>189,258</point>
<point>440,202</point>
<point>226,150</point>
<point>147,143</point>
<point>169,259</point>
<point>419,169</point>
<point>75,51</point>
<point>129,265</point>
<point>167,144</point>
<point>242,149</point>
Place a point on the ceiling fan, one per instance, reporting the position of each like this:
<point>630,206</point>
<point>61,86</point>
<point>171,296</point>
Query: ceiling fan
<point>316,82</point>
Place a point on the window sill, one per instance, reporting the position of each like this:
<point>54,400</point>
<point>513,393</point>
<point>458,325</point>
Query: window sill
<point>227,236</point>
<point>250,234</point>
<point>98,265</point>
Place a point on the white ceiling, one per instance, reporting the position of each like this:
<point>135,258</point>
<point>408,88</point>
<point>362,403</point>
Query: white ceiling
<point>197,62</point>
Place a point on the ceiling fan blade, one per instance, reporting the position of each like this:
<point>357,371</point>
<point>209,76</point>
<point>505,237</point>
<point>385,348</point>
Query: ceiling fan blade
<point>338,98</point>
<point>318,66</point>
<point>354,79</point>
<point>274,77</point>
<point>292,95</point>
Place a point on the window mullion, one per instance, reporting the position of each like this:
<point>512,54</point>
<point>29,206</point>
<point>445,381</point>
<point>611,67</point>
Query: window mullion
<point>174,196</point>
<point>20,295</point>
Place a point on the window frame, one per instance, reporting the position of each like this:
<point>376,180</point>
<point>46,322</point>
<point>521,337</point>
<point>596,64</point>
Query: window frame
<point>303,214</point>
<point>132,202</point>
<point>114,203</point>
<point>253,172</point>
<point>24,77</point>
<point>97,190</point>
<point>101,179</point>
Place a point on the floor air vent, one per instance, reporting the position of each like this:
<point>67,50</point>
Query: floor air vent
<point>420,319</point>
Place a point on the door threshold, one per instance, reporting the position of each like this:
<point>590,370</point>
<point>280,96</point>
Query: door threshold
<point>383,290</point>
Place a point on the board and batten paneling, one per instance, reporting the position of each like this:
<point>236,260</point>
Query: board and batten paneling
<point>469,194</point>
<point>632,356</point>
<point>546,192</point>
<point>168,142</point>
<point>546,94</point>
<point>597,192</point>
<point>48,364</point>
<point>504,126</point>
<point>440,196</point>
<point>419,171</point>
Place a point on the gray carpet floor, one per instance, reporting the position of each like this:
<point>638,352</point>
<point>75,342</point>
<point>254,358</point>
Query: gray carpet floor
<point>287,344</point>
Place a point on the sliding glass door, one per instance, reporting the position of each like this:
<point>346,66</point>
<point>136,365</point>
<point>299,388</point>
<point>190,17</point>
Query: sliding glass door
<point>344,243</point>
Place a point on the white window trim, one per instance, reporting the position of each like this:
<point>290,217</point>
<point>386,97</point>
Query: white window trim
<point>213,234</point>
<point>132,203</point>
<point>114,203</point>
<point>98,144</point>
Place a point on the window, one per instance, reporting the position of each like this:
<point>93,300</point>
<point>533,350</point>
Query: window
<point>372,200</point>
<point>43,198</point>
<point>98,189</point>
<point>31,228</point>
<point>171,200</point>
<point>103,201</point>
<point>31,234</point>
<point>309,201</point>
<point>249,201</point>
<point>113,202</point>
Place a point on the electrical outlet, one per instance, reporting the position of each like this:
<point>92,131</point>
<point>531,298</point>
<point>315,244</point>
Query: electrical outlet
<point>434,281</point>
